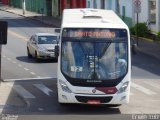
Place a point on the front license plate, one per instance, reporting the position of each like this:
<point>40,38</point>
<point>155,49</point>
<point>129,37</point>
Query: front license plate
<point>94,102</point>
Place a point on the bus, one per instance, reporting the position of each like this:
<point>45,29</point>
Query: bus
<point>94,63</point>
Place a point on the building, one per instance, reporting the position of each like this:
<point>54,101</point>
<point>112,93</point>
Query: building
<point>48,7</point>
<point>119,6</point>
<point>6,2</point>
<point>64,4</point>
<point>149,12</point>
<point>102,4</point>
<point>38,6</point>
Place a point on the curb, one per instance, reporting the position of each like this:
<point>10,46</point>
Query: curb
<point>44,22</point>
<point>146,39</point>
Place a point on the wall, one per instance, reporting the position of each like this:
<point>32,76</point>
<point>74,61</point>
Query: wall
<point>35,5</point>
<point>89,3</point>
<point>126,11</point>
<point>16,3</point>
<point>55,8</point>
<point>72,4</point>
<point>6,2</point>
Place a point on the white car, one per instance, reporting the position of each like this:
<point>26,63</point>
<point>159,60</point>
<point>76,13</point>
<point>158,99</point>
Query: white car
<point>42,46</point>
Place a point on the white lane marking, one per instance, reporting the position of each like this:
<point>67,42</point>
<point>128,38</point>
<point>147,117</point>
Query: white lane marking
<point>23,92</point>
<point>19,65</point>
<point>32,73</point>
<point>26,69</point>
<point>9,59</point>
<point>142,89</point>
<point>14,62</point>
<point>40,109</point>
<point>154,85</point>
<point>4,56</point>
<point>43,88</point>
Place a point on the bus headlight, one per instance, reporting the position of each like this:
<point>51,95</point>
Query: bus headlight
<point>124,87</point>
<point>64,87</point>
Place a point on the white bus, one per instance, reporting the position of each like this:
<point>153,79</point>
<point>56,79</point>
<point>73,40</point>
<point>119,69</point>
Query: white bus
<point>94,65</point>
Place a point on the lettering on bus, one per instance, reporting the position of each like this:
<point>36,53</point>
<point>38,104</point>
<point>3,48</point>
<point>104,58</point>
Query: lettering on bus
<point>102,34</point>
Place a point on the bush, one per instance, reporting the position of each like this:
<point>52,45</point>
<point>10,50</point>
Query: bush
<point>142,29</point>
<point>132,31</point>
<point>158,36</point>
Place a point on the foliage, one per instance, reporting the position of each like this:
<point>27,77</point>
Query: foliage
<point>141,29</point>
<point>132,31</point>
<point>158,36</point>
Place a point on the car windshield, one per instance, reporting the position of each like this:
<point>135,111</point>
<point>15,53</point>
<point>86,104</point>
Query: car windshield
<point>47,39</point>
<point>95,57</point>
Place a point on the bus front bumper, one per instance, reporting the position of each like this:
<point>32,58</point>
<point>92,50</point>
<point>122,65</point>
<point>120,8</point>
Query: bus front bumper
<point>122,98</point>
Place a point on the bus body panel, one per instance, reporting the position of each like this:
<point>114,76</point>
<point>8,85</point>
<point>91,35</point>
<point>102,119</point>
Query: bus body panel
<point>79,92</point>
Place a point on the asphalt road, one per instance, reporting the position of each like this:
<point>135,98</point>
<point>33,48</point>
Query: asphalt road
<point>42,103</point>
<point>15,64</point>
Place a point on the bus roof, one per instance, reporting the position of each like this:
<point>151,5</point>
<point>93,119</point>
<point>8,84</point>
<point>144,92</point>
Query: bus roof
<point>91,18</point>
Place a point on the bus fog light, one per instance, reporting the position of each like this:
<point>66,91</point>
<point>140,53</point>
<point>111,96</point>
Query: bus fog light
<point>64,87</point>
<point>123,88</point>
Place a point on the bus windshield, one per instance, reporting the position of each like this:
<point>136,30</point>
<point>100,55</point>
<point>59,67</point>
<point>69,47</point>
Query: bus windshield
<point>99,54</point>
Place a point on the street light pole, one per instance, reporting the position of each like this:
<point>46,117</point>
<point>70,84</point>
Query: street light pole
<point>24,6</point>
<point>158,15</point>
<point>137,29</point>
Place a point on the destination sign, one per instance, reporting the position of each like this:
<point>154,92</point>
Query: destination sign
<point>94,33</point>
<point>105,34</point>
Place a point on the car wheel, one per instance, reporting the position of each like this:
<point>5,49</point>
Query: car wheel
<point>28,53</point>
<point>36,57</point>
<point>56,59</point>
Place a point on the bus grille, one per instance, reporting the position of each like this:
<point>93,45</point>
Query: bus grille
<point>85,99</point>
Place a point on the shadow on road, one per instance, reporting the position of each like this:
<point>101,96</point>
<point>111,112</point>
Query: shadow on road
<point>32,60</point>
<point>145,63</point>
<point>16,22</point>
<point>86,110</point>
<point>44,105</point>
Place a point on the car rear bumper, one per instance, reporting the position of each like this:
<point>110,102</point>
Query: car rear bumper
<point>42,55</point>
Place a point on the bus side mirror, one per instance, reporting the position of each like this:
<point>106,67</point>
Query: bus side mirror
<point>3,32</point>
<point>56,51</point>
<point>57,30</point>
<point>134,49</point>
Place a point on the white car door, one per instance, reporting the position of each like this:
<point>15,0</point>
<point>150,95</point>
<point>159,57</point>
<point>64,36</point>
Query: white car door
<point>33,45</point>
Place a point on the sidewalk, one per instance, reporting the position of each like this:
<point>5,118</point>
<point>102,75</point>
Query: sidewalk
<point>55,22</point>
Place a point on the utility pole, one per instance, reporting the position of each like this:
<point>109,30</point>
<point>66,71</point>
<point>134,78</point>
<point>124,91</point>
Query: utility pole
<point>137,10</point>
<point>24,6</point>
<point>158,15</point>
